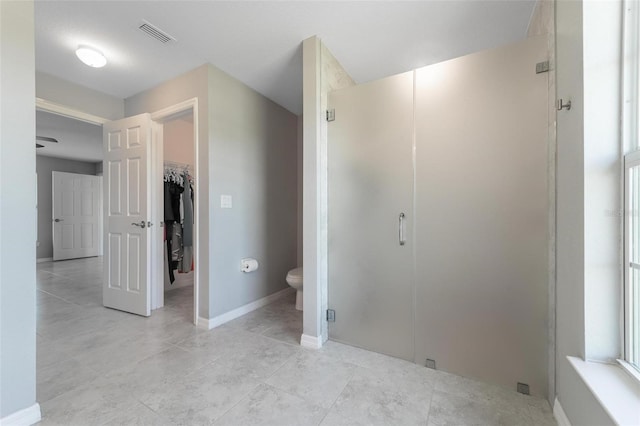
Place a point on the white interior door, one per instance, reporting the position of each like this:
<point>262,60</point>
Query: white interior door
<point>76,215</point>
<point>127,206</point>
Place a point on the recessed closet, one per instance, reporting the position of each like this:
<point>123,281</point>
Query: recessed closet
<point>178,188</point>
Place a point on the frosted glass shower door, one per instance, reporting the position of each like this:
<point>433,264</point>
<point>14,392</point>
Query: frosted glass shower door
<point>370,194</point>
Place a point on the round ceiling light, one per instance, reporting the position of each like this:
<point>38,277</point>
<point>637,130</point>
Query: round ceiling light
<point>90,56</point>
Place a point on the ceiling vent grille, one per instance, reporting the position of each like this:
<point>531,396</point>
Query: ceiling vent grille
<point>155,32</point>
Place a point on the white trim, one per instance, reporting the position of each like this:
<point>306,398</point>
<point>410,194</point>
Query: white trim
<point>28,416</point>
<point>311,342</point>
<point>614,389</point>
<point>560,415</point>
<point>630,369</point>
<point>65,111</point>
<point>174,110</point>
<point>158,268</point>
<point>44,259</point>
<point>631,160</point>
<point>204,323</point>
<point>242,310</point>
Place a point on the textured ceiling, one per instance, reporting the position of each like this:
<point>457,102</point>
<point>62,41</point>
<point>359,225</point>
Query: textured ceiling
<point>259,42</point>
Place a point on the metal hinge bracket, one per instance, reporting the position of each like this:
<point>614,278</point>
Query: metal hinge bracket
<point>331,315</point>
<point>331,114</point>
<point>523,388</point>
<point>542,67</point>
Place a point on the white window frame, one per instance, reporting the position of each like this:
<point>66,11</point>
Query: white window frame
<point>631,161</point>
<point>630,147</point>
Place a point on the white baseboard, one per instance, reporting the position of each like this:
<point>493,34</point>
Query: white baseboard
<point>311,342</point>
<point>208,324</point>
<point>560,415</point>
<point>26,417</point>
<point>44,259</point>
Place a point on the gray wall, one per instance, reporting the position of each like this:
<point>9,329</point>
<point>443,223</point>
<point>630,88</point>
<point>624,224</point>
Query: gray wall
<point>78,97</point>
<point>17,208</point>
<point>602,178</point>
<point>253,159</point>
<point>44,167</point>
<point>247,149</point>
<point>571,185</point>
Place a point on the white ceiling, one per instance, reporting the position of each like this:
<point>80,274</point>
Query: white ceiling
<point>77,140</point>
<point>259,42</point>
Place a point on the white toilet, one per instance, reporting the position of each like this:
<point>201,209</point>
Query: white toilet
<point>294,279</point>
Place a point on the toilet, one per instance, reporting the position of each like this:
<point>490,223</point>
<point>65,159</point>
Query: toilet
<point>294,279</point>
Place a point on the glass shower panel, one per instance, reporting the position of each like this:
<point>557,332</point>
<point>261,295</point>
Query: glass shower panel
<point>482,215</point>
<point>370,195</point>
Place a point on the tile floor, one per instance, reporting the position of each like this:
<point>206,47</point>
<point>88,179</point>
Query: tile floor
<point>98,366</point>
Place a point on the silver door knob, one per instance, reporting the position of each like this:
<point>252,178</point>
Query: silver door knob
<point>142,224</point>
<point>58,220</point>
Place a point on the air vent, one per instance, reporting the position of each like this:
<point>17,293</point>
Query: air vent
<point>155,32</point>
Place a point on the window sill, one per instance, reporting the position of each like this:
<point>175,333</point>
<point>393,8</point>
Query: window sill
<point>635,374</point>
<point>617,392</point>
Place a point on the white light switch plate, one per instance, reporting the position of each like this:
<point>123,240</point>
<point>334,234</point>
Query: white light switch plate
<point>226,202</point>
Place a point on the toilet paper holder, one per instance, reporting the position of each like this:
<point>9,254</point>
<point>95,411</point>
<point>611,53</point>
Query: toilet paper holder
<point>248,264</point>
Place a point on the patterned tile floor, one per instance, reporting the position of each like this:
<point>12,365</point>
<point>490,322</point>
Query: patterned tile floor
<point>98,366</point>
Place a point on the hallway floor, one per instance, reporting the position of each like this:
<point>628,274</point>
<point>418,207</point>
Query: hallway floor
<point>98,366</point>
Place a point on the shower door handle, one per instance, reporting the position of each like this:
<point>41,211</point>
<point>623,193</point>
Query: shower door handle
<point>401,229</point>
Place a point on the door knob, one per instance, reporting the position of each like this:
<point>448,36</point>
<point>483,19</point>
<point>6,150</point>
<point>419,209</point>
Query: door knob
<point>58,220</point>
<point>142,224</point>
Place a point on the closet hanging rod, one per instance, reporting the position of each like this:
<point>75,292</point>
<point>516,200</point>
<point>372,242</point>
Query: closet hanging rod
<point>177,165</point>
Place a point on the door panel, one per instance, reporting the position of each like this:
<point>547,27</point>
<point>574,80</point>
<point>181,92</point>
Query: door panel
<point>77,216</point>
<point>370,183</point>
<point>127,145</point>
<point>482,203</point>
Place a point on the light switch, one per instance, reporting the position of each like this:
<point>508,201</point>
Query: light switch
<point>226,202</point>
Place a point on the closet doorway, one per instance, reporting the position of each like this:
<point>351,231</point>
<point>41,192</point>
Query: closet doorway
<point>177,193</point>
<point>136,256</point>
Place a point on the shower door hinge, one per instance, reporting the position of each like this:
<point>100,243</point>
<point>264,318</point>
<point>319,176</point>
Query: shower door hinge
<point>331,315</point>
<point>542,67</point>
<point>331,114</point>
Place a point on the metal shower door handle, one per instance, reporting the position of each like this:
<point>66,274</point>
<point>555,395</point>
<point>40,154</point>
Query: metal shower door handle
<point>401,229</point>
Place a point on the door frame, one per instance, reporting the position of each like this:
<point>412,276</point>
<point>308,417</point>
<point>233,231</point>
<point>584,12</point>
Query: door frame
<point>157,120</point>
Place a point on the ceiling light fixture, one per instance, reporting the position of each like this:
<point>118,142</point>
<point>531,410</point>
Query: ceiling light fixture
<point>90,56</point>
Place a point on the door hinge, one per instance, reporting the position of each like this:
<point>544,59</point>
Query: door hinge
<point>331,114</point>
<point>542,67</point>
<point>331,315</point>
